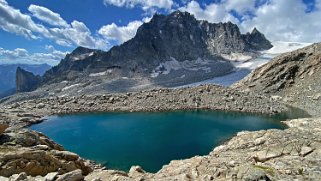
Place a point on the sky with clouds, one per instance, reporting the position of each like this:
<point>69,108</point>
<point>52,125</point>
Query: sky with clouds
<point>43,31</point>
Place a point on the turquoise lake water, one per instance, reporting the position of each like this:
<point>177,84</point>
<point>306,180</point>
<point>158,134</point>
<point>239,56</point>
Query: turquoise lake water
<point>120,140</point>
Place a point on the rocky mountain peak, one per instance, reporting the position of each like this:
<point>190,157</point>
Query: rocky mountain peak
<point>255,31</point>
<point>178,36</point>
<point>257,41</point>
<point>181,15</point>
<point>81,50</point>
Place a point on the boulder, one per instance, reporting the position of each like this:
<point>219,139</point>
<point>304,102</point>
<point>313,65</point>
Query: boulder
<point>19,177</point>
<point>51,176</point>
<point>66,155</point>
<point>75,175</point>
<point>3,127</point>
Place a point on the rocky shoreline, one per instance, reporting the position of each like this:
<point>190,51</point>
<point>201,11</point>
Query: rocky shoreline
<point>212,97</point>
<point>241,158</point>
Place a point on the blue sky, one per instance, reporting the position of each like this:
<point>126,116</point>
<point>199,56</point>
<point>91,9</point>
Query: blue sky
<point>38,31</point>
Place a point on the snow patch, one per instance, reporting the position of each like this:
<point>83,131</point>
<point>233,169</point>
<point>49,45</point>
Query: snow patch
<point>97,74</point>
<point>82,56</point>
<point>252,64</point>
<point>284,47</point>
<point>69,87</point>
<point>172,65</point>
<point>109,71</point>
<point>237,57</point>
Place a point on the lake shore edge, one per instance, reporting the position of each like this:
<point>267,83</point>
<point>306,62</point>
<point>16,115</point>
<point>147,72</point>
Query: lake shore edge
<point>212,97</point>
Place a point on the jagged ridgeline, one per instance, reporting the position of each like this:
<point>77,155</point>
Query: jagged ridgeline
<point>169,50</point>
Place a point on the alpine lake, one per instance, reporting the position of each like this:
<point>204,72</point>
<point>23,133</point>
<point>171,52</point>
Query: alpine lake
<point>120,140</point>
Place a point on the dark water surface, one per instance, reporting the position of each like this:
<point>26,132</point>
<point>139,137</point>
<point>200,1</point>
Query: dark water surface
<point>120,140</point>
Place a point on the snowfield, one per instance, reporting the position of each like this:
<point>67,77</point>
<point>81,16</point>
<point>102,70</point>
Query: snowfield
<point>172,64</point>
<point>237,57</point>
<point>101,73</point>
<point>244,66</point>
<point>283,47</point>
<point>82,56</point>
<point>70,87</point>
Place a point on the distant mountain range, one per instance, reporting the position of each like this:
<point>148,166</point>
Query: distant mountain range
<point>169,50</point>
<point>8,75</point>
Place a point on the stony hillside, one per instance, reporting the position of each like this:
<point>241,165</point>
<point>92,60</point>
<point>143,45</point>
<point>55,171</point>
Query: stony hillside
<point>292,77</point>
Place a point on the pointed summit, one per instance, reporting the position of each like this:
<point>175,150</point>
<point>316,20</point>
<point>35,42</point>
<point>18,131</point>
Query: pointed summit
<point>255,31</point>
<point>179,13</point>
<point>82,50</point>
<point>257,40</point>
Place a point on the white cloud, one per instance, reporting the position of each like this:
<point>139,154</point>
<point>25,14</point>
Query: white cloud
<point>20,55</point>
<point>279,20</point>
<point>239,6</point>
<point>287,20</point>
<point>46,15</point>
<point>212,12</point>
<point>12,20</point>
<point>76,33</point>
<point>120,33</point>
<point>13,54</point>
<point>145,4</point>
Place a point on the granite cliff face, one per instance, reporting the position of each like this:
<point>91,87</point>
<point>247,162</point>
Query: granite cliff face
<point>170,49</point>
<point>26,81</point>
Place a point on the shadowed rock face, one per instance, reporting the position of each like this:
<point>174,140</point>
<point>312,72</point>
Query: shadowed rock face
<point>176,36</point>
<point>26,81</point>
<point>8,74</point>
<point>257,41</point>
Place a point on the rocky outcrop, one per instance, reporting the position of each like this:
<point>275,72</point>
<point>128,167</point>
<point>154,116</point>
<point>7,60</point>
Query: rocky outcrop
<point>294,76</point>
<point>34,154</point>
<point>26,81</point>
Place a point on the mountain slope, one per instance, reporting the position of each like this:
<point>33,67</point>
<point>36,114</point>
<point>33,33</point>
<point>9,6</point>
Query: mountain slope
<point>294,77</point>
<point>170,50</point>
<point>177,36</point>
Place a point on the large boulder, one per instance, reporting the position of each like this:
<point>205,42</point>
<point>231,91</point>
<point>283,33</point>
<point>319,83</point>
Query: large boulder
<point>3,127</point>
